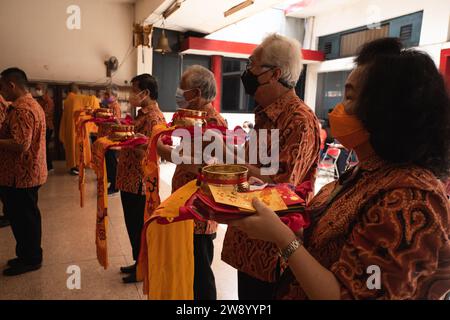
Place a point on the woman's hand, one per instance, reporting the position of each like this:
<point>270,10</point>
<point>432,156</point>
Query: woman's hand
<point>265,225</point>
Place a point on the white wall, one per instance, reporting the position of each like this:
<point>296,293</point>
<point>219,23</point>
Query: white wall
<point>435,32</point>
<point>34,37</point>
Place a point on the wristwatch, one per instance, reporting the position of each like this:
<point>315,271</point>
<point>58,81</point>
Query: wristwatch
<point>290,249</point>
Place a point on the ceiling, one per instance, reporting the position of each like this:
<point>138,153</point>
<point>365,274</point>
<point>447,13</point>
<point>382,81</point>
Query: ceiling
<point>308,8</point>
<point>206,16</point>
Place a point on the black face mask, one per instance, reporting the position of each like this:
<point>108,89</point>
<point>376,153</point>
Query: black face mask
<point>251,83</point>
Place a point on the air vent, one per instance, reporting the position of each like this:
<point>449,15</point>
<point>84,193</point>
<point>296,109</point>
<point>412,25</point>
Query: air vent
<point>406,32</point>
<point>328,47</point>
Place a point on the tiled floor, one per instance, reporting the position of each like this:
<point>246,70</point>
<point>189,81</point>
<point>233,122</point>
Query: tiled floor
<point>68,239</point>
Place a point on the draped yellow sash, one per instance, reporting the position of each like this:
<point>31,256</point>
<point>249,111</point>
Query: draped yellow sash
<point>166,260</point>
<point>99,149</point>
<point>84,128</point>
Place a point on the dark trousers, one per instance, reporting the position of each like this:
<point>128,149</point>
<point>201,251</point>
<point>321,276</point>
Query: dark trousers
<point>204,281</point>
<point>133,208</point>
<point>48,139</point>
<point>111,167</point>
<point>3,202</point>
<point>250,288</point>
<point>21,208</point>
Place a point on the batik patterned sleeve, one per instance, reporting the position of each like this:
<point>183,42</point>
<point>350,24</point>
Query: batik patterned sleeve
<point>21,127</point>
<point>299,149</point>
<point>404,234</point>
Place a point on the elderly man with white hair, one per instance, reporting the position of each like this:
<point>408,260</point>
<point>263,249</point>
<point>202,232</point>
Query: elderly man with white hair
<point>197,91</point>
<point>271,77</point>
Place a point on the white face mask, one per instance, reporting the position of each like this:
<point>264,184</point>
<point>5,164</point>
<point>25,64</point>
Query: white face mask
<point>181,100</point>
<point>135,100</point>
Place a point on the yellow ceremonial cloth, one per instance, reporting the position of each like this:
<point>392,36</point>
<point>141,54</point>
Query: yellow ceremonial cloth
<point>99,149</point>
<point>171,250</point>
<point>67,131</point>
<point>166,260</point>
<point>84,128</point>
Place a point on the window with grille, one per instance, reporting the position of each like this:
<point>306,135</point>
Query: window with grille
<point>406,32</point>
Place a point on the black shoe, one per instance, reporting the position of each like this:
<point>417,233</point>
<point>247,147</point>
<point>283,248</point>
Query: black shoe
<point>129,269</point>
<point>131,278</point>
<point>74,172</point>
<point>21,268</point>
<point>13,262</point>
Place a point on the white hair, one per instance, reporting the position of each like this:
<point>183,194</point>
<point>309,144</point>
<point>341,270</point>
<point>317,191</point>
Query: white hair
<point>285,53</point>
<point>203,79</point>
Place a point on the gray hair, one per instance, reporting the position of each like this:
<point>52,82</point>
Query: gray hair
<point>285,53</point>
<point>203,79</point>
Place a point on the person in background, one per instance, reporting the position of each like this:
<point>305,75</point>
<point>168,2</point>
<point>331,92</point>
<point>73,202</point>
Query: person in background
<point>391,211</point>
<point>67,128</point>
<point>47,104</point>
<point>23,169</point>
<point>197,92</point>
<point>74,102</point>
<point>110,101</point>
<point>271,76</point>
<point>247,126</point>
<point>323,139</point>
<point>4,105</point>
<point>343,157</point>
<point>130,174</point>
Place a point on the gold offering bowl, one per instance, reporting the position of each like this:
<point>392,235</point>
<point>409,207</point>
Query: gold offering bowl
<point>103,113</point>
<point>89,111</point>
<point>189,118</point>
<point>121,132</point>
<point>225,175</point>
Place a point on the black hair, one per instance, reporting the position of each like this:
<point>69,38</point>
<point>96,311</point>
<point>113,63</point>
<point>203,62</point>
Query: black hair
<point>16,75</point>
<point>380,47</point>
<point>405,107</point>
<point>147,82</point>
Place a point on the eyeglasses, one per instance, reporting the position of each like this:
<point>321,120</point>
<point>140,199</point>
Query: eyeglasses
<point>250,64</point>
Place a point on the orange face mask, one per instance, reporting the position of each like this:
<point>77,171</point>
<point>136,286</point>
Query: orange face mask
<point>346,128</point>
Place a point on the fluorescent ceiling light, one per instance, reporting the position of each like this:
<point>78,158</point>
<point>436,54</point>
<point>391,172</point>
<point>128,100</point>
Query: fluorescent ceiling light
<point>238,7</point>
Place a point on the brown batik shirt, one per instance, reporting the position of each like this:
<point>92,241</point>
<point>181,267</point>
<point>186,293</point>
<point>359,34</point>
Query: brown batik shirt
<point>299,146</point>
<point>25,124</point>
<point>396,218</point>
<point>49,109</point>
<point>130,174</point>
<point>116,110</point>
<point>183,176</point>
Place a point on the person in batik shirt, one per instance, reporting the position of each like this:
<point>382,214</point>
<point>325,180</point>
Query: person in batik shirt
<point>48,106</point>
<point>130,174</point>
<point>23,169</point>
<point>382,231</point>
<point>197,91</point>
<point>271,76</point>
